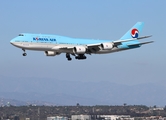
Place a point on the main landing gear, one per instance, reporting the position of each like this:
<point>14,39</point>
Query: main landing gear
<point>68,57</point>
<point>24,54</point>
<point>79,57</point>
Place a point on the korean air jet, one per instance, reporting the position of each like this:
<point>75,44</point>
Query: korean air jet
<point>53,45</point>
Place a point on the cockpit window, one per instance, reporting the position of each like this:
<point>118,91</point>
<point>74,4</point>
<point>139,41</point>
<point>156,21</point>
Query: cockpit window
<point>20,35</point>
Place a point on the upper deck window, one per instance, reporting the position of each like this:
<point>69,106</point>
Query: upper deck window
<point>20,35</point>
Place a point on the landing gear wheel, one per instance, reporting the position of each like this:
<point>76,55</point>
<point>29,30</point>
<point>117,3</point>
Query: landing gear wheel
<point>76,57</point>
<point>69,59</point>
<point>24,54</point>
<point>80,57</point>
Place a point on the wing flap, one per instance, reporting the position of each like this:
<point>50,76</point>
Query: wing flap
<point>92,48</point>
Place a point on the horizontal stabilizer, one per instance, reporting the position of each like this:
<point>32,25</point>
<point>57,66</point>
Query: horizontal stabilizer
<point>144,37</point>
<point>140,43</point>
<point>132,39</point>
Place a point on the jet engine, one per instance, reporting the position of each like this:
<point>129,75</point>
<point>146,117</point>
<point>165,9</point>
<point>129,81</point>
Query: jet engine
<point>51,53</point>
<point>79,50</point>
<point>107,46</point>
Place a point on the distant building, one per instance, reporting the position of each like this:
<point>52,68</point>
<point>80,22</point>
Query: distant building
<point>158,108</point>
<point>80,117</point>
<point>57,118</point>
<point>116,117</point>
<point>101,117</point>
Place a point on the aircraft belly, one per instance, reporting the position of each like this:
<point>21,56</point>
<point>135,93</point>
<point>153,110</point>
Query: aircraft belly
<point>34,46</point>
<point>21,45</point>
<point>41,47</point>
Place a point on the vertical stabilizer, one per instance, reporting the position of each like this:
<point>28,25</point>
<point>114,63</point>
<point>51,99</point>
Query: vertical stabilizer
<point>134,31</point>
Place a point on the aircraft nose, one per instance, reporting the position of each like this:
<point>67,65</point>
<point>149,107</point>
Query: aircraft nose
<point>12,41</point>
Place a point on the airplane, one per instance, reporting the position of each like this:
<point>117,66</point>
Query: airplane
<point>53,45</point>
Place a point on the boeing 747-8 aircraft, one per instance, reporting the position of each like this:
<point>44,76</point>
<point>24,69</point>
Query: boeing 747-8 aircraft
<point>53,45</point>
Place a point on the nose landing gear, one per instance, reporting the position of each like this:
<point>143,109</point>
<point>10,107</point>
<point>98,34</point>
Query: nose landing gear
<point>24,54</point>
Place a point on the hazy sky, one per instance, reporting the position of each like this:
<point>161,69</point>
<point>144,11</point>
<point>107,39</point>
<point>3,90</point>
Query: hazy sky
<point>98,19</point>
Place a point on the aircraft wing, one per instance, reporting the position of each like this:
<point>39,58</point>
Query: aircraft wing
<point>63,48</point>
<point>92,48</point>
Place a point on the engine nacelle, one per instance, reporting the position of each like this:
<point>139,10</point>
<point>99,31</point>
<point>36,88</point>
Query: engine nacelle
<point>51,53</point>
<point>79,50</point>
<point>107,46</point>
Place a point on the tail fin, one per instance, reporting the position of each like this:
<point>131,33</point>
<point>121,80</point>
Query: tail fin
<point>134,31</point>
